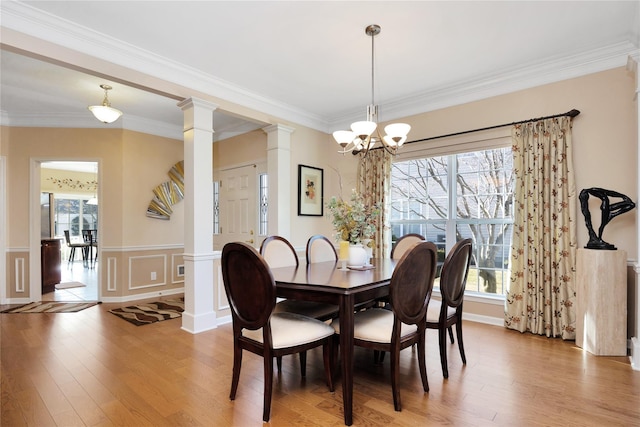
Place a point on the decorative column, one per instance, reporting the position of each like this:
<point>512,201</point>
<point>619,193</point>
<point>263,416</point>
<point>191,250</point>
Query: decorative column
<point>632,65</point>
<point>279,172</point>
<point>199,314</point>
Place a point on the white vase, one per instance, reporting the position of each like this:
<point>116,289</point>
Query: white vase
<point>368,249</point>
<point>357,256</point>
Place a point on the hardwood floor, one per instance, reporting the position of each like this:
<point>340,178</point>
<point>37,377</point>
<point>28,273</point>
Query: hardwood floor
<point>92,368</point>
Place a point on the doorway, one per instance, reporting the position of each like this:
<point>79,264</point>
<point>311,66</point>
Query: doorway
<point>70,189</point>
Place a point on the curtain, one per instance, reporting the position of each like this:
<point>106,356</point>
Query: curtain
<point>542,296</point>
<point>374,178</point>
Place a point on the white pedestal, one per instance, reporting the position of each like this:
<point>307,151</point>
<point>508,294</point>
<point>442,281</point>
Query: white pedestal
<point>601,291</point>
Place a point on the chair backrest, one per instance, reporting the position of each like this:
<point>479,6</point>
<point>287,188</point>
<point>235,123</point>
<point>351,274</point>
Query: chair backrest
<point>89,236</point>
<point>404,243</point>
<point>278,252</point>
<point>453,277</point>
<point>319,249</point>
<point>249,285</point>
<point>67,237</point>
<point>412,283</point>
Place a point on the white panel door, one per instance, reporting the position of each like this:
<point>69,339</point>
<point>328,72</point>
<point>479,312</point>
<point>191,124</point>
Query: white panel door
<point>238,211</point>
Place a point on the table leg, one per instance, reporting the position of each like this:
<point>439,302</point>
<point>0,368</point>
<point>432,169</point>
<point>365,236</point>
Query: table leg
<point>346,354</point>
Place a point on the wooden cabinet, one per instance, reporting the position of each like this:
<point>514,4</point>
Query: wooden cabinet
<point>50,264</point>
<point>601,291</point>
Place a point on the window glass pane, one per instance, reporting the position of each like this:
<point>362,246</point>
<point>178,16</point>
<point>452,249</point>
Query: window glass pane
<point>216,207</point>
<point>479,185</point>
<point>264,204</point>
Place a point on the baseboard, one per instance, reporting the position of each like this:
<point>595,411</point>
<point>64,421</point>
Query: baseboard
<point>495,321</point>
<point>147,295</point>
<point>635,354</point>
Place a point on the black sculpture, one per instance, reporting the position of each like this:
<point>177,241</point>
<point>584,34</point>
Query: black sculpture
<point>609,211</point>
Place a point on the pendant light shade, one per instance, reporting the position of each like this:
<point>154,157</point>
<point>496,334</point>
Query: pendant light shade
<point>105,112</point>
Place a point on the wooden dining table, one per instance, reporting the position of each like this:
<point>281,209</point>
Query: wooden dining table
<point>325,282</point>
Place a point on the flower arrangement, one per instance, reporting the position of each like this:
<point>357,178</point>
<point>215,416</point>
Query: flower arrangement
<point>353,221</point>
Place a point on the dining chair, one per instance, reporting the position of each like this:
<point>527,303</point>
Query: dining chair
<point>442,315</point>
<point>319,249</point>
<point>74,246</point>
<point>404,243</point>
<point>404,325</point>
<point>90,237</point>
<point>278,252</point>
<point>251,292</point>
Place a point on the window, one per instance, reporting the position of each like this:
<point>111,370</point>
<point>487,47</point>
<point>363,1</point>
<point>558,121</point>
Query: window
<point>453,197</point>
<point>74,214</point>
<point>263,203</point>
<point>216,207</point>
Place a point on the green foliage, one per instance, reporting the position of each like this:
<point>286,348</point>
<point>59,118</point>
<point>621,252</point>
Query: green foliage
<point>353,221</point>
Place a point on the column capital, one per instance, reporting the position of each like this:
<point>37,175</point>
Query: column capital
<point>197,102</point>
<point>278,128</point>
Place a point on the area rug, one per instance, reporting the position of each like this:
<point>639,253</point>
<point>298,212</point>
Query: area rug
<point>69,285</point>
<point>147,313</point>
<point>51,307</point>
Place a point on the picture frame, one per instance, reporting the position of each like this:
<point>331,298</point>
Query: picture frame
<point>310,191</point>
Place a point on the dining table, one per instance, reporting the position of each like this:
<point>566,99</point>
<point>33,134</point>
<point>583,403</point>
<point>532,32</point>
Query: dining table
<point>328,282</point>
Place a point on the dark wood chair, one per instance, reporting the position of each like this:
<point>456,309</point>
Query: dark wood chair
<point>83,246</point>
<point>404,243</point>
<point>278,252</point>
<point>251,292</point>
<point>405,324</point>
<point>442,315</point>
<point>319,249</point>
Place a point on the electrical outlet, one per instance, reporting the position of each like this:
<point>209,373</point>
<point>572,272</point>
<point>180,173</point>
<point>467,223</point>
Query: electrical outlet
<point>153,275</point>
<point>180,270</point>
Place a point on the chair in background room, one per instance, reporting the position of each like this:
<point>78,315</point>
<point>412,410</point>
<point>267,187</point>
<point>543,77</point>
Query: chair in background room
<point>404,325</point>
<point>404,243</point>
<point>251,292</point>
<point>90,237</point>
<point>319,249</point>
<point>83,246</point>
<point>442,315</point>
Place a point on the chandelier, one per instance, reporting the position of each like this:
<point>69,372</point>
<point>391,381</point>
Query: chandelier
<point>365,135</point>
<point>105,112</point>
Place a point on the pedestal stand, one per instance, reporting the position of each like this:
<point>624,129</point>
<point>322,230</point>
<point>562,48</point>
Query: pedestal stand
<point>601,291</point>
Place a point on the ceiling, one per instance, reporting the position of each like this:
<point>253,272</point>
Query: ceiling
<point>304,62</point>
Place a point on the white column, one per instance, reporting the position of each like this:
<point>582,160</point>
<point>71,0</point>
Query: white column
<point>279,172</point>
<point>632,65</point>
<point>199,314</point>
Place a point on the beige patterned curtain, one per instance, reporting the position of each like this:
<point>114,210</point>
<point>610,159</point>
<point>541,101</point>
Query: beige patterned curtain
<point>374,177</point>
<point>542,296</point>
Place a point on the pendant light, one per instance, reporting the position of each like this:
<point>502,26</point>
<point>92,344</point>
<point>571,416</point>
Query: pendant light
<point>105,112</point>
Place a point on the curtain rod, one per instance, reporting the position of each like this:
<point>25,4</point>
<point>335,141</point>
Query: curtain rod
<point>572,113</point>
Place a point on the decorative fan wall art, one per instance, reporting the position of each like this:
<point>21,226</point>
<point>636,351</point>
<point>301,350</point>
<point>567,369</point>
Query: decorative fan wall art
<point>167,194</point>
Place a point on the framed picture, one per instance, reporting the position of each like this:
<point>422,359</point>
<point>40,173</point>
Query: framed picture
<point>310,191</point>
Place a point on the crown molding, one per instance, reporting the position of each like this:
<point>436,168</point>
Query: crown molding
<point>87,121</point>
<point>507,81</point>
<point>36,23</point>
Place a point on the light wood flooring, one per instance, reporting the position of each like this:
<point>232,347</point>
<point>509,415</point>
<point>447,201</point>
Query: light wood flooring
<point>93,369</point>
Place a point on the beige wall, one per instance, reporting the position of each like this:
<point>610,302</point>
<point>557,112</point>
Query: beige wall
<point>131,165</point>
<point>604,135</point>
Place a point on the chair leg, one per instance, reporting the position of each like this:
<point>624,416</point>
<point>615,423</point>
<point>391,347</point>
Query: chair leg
<point>442,338</point>
<point>72,254</point>
<point>268,387</point>
<point>451,334</point>
<point>395,374</point>
<point>279,363</point>
<point>422,364</point>
<point>303,364</point>
<point>460,344</point>
<point>327,356</point>
<point>235,377</point>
